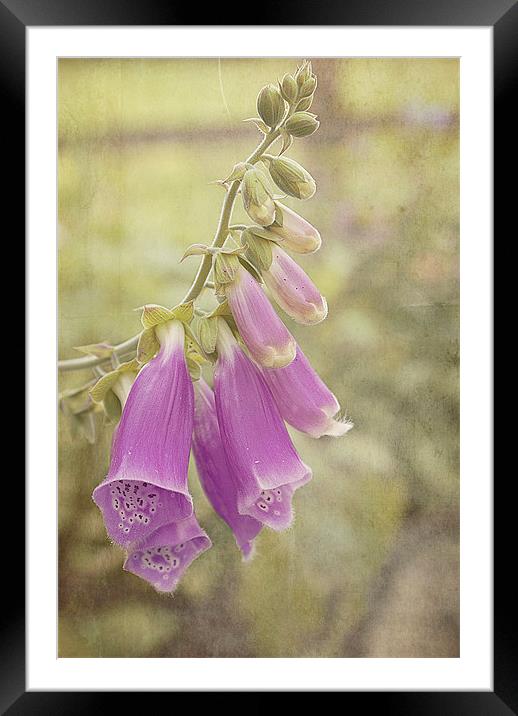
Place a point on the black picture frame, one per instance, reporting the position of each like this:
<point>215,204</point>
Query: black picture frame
<point>502,15</point>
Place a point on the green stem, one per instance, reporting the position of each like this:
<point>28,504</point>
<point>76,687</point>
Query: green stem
<point>203,269</point>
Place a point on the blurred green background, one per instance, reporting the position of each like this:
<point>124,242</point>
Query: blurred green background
<point>370,567</point>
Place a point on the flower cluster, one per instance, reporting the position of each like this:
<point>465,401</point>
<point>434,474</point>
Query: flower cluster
<point>247,464</point>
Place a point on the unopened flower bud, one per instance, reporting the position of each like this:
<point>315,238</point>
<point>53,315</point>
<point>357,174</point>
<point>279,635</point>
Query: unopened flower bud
<point>257,199</point>
<point>302,124</point>
<point>305,104</point>
<point>264,334</point>
<point>303,73</point>
<point>270,105</point>
<point>291,178</point>
<point>308,87</point>
<point>294,232</point>
<point>292,288</point>
<point>289,88</point>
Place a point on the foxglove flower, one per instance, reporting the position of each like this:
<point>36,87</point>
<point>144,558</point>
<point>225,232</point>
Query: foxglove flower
<point>293,290</point>
<point>265,335</point>
<point>296,234</point>
<point>214,470</point>
<point>146,486</point>
<point>304,400</point>
<point>162,556</point>
<point>263,460</point>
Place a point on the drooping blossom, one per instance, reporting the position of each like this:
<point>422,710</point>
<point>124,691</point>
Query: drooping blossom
<point>146,486</point>
<point>162,556</point>
<point>265,335</point>
<point>293,290</point>
<point>296,234</point>
<point>304,400</point>
<point>265,464</point>
<point>214,470</point>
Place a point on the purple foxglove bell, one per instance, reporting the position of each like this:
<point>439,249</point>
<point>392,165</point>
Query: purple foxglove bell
<point>293,290</point>
<point>265,335</point>
<point>146,486</point>
<point>162,557</point>
<point>296,234</point>
<point>214,471</point>
<point>265,464</point>
<point>304,400</point>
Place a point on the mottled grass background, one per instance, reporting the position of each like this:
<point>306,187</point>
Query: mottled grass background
<point>370,567</point>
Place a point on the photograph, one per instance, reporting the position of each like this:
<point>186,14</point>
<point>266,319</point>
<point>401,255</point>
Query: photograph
<point>258,340</point>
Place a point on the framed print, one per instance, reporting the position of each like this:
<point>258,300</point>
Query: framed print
<point>259,357</point>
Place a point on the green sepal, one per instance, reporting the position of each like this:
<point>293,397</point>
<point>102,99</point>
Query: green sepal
<point>238,172</point>
<point>148,345</point>
<point>208,332</point>
<point>112,407</point>
<point>262,231</point>
<point>103,385</point>
<point>221,311</point>
<point>106,382</point>
<point>194,368</point>
<point>259,250</point>
<point>225,268</point>
<point>287,141</point>
<point>189,336</point>
<point>251,269</point>
<point>183,312</point>
<point>153,315</point>
<point>279,217</point>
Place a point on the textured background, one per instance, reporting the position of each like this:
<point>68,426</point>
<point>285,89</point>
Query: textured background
<point>370,567</point>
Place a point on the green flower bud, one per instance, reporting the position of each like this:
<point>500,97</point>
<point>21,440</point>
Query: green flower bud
<point>303,73</point>
<point>308,87</point>
<point>257,198</point>
<point>302,124</point>
<point>305,104</point>
<point>291,178</point>
<point>289,88</point>
<point>270,105</point>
